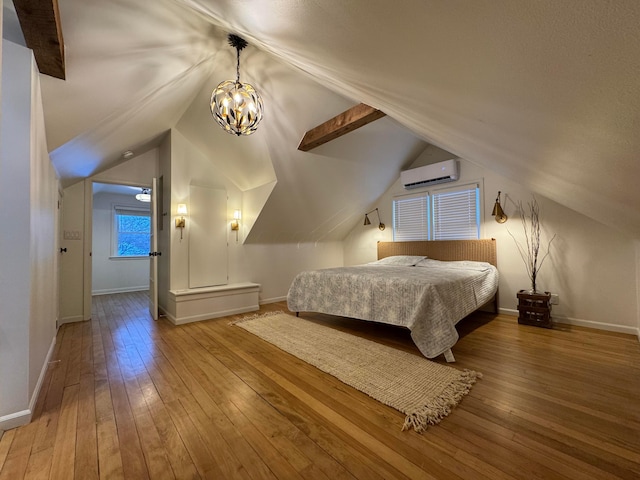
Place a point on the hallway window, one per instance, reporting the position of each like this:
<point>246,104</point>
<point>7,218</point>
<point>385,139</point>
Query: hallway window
<point>132,231</point>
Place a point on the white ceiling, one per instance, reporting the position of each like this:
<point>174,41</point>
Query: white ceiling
<point>546,93</point>
<point>111,188</point>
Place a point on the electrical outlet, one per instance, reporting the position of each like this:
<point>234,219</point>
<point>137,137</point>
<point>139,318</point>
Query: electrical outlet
<point>555,299</point>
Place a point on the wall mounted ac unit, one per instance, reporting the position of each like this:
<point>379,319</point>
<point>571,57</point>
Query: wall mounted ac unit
<point>440,172</point>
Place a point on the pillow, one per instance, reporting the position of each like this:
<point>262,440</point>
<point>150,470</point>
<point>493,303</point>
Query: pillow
<point>457,264</point>
<point>399,260</point>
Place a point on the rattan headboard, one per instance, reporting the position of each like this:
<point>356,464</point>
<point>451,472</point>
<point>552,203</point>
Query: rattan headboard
<point>483,250</point>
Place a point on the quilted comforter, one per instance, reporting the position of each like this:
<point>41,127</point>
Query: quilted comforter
<point>428,299</point>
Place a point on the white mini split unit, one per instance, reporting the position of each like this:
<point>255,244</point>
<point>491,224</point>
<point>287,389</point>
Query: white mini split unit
<point>433,174</point>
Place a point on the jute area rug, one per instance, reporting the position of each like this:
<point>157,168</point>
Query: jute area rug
<point>423,390</point>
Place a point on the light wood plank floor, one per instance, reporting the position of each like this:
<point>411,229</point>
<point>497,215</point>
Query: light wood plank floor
<point>127,397</point>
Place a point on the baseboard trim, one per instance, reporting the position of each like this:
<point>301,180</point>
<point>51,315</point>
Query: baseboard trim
<point>43,372</point>
<point>110,291</point>
<point>209,316</point>
<point>266,301</point>
<point>14,420</point>
<point>23,417</point>
<point>75,318</point>
<point>609,327</point>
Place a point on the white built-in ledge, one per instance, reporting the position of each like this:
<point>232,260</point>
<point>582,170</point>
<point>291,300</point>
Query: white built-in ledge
<point>196,304</point>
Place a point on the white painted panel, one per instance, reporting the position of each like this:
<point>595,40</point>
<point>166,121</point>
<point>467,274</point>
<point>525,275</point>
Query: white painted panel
<point>207,232</point>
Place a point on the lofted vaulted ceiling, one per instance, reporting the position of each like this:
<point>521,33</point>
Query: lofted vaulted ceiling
<point>545,93</point>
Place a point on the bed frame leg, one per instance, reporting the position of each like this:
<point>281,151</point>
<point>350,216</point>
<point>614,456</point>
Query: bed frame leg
<point>448,356</point>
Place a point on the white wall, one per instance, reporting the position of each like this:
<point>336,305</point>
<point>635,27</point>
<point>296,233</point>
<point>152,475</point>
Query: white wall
<point>137,171</point>
<point>272,265</point>
<point>14,243</point>
<point>189,167</point>
<point>114,275</point>
<point>28,204</point>
<point>592,267</point>
<point>43,245</point>
<point>76,271</point>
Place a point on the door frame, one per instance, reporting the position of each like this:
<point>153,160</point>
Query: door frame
<point>88,237</point>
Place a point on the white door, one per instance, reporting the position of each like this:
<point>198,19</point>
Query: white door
<point>58,260</point>
<point>153,254</point>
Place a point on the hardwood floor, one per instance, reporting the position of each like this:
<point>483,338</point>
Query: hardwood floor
<point>127,397</point>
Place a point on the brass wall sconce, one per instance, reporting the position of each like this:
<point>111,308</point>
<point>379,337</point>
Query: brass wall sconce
<point>181,221</point>
<point>381,225</point>
<point>235,224</point>
<point>501,217</point>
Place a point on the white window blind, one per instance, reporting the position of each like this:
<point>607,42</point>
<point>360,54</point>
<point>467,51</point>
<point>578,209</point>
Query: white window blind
<point>443,214</point>
<point>455,214</point>
<point>411,219</point>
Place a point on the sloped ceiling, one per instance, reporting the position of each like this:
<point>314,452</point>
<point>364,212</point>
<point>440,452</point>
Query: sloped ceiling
<point>544,92</point>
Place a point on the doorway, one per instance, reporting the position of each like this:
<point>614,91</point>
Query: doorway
<point>120,240</point>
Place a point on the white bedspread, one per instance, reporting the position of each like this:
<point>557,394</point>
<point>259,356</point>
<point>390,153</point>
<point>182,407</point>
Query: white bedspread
<point>428,299</point>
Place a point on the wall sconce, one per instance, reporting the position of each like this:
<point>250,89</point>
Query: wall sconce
<point>368,222</point>
<point>235,225</point>
<point>501,217</point>
<point>181,222</point>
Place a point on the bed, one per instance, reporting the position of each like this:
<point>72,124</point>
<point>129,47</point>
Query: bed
<point>425,286</point>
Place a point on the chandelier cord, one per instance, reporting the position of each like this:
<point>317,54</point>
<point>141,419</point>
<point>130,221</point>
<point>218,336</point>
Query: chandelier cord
<point>238,43</point>
<point>238,66</point>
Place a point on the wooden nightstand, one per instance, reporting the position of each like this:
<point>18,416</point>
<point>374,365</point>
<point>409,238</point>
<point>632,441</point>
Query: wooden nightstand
<point>534,309</point>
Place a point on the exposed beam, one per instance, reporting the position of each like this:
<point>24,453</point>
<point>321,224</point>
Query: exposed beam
<point>339,125</point>
<point>42,30</point>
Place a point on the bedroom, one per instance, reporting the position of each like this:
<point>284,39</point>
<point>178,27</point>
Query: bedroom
<point>576,151</point>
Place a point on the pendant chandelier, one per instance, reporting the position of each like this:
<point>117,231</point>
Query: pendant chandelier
<point>236,106</point>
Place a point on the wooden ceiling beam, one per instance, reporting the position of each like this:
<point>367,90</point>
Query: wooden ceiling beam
<point>346,122</point>
<point>42,30</point>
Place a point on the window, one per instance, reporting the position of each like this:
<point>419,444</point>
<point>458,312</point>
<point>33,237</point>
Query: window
<point>132,232</point>
<point>445,214</point>
<point>456,214</point>
<point>411,219</point>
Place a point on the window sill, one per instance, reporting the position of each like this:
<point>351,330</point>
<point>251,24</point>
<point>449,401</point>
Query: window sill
<point>140,257</point>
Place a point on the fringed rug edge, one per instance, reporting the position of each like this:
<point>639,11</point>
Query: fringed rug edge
<point>441,407</point>
<point>255,316</point>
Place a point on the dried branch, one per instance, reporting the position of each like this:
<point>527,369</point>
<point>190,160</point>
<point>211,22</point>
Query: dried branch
<point>530,251</point>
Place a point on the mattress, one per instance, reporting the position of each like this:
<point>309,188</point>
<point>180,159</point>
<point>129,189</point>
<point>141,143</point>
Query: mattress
<point>427,296</point>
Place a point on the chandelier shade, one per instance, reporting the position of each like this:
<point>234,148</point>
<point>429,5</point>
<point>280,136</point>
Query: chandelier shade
<point>236,106</point>
<point>144,196</point>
